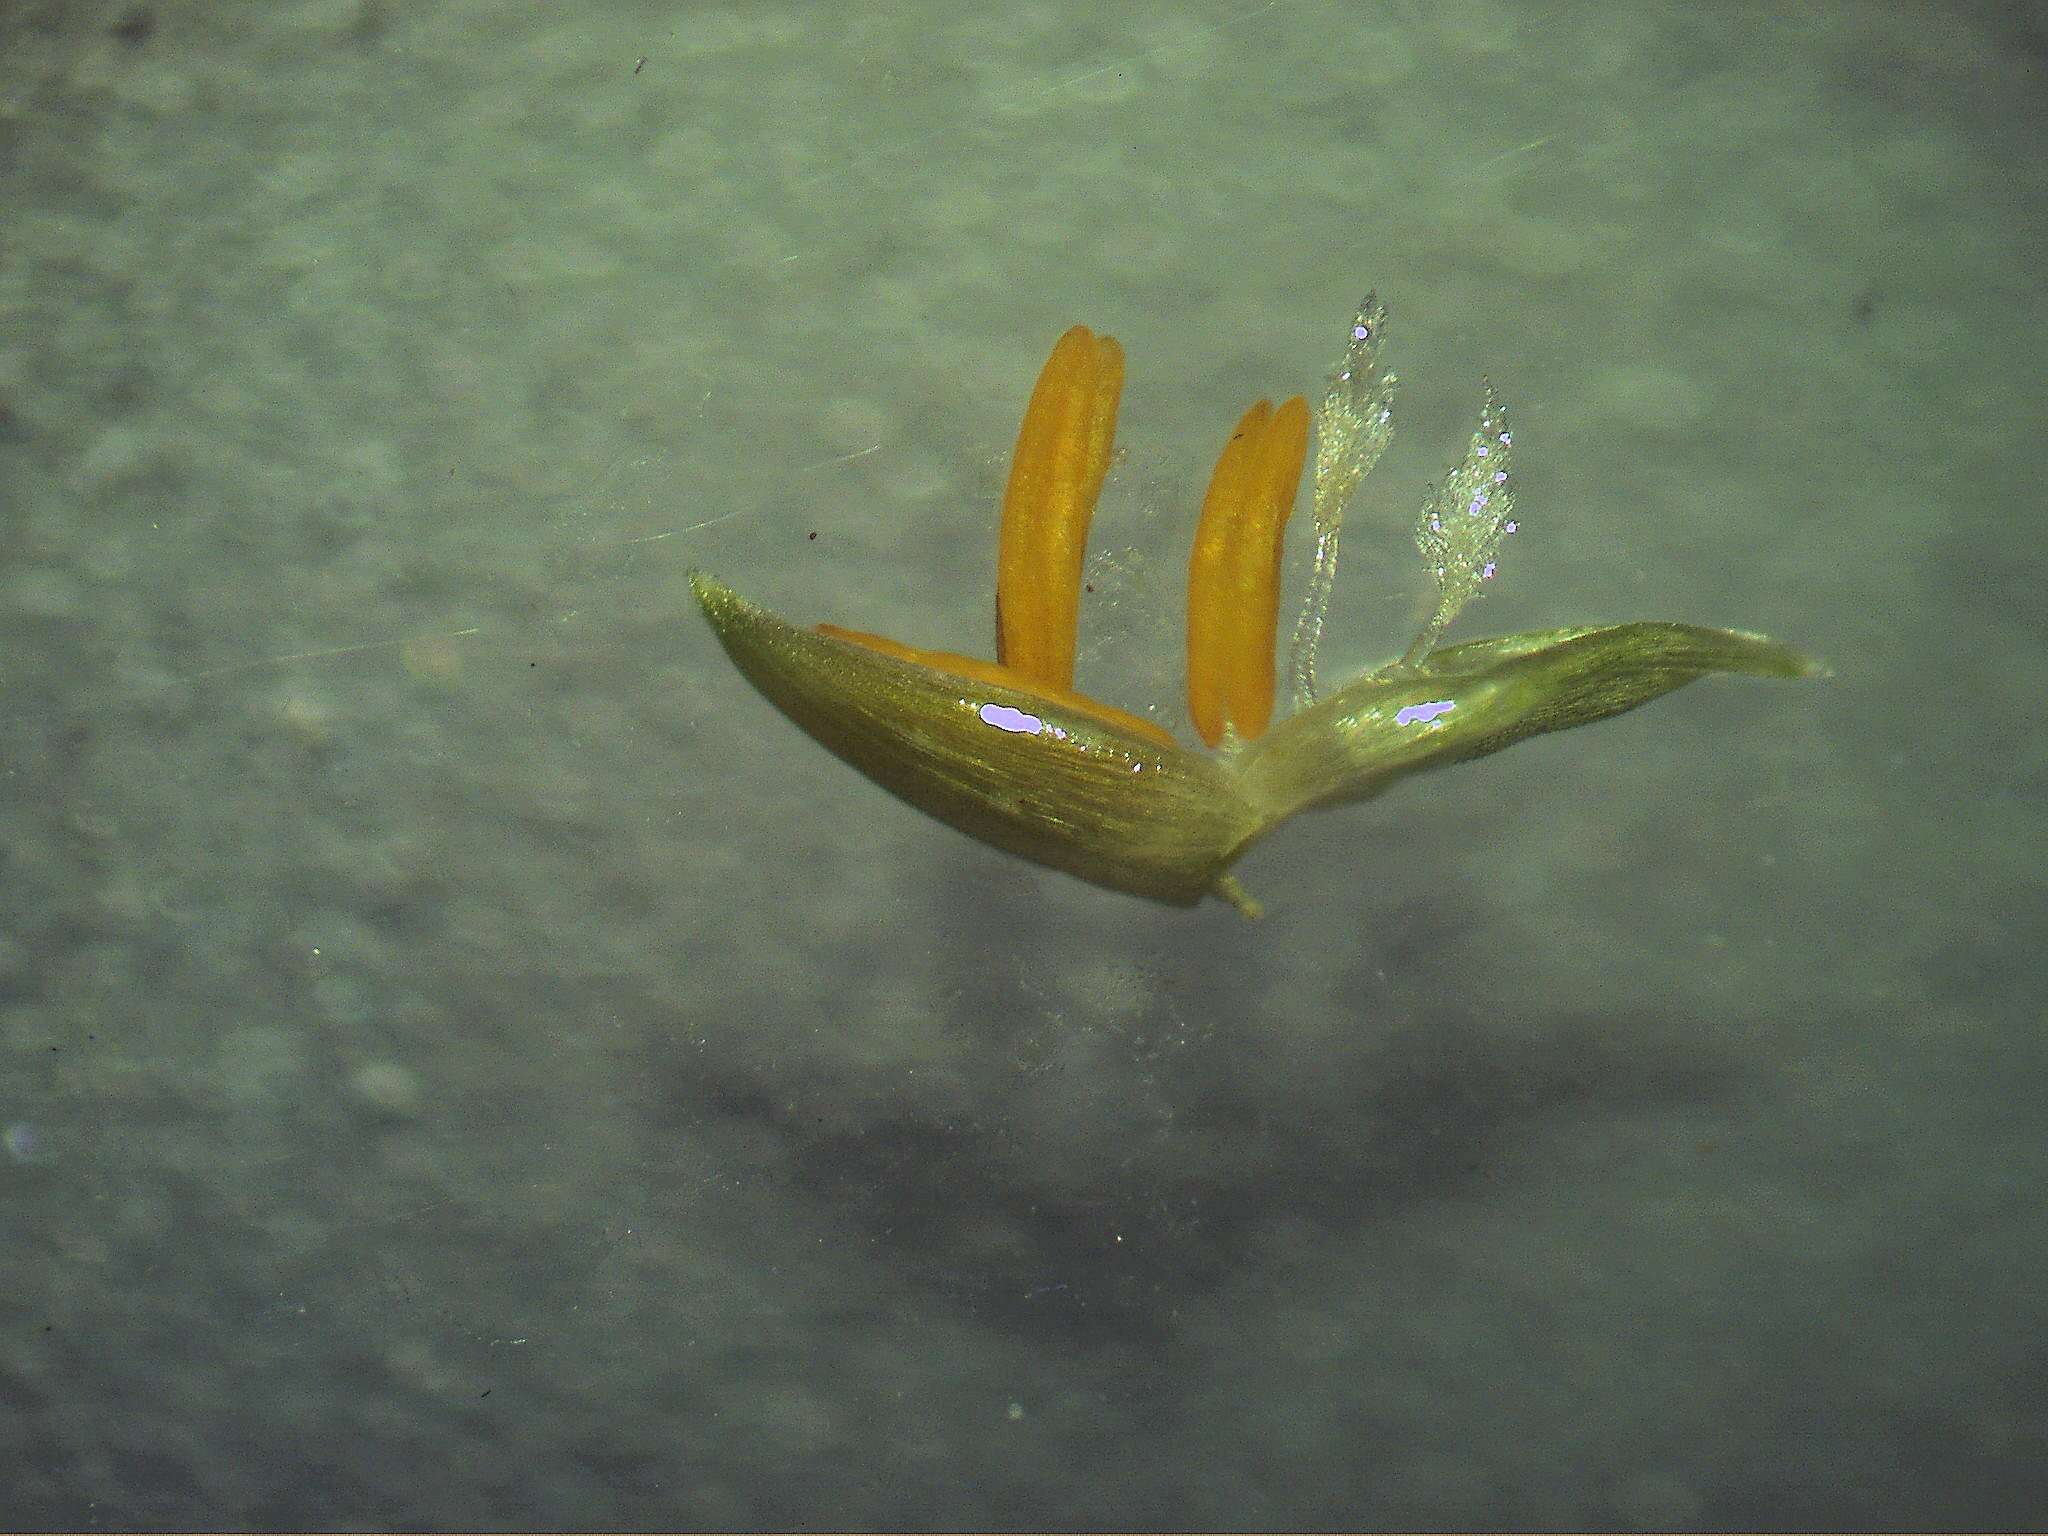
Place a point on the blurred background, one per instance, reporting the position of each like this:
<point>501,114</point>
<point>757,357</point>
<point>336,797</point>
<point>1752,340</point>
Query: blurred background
<point>470,1062</point>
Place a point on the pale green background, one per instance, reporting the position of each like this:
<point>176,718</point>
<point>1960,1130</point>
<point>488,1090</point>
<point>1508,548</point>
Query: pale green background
<point>469,1061</point>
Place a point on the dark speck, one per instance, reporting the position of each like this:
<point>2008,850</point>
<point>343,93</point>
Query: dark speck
<point>136,26</point>
<point>1864,307</point>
